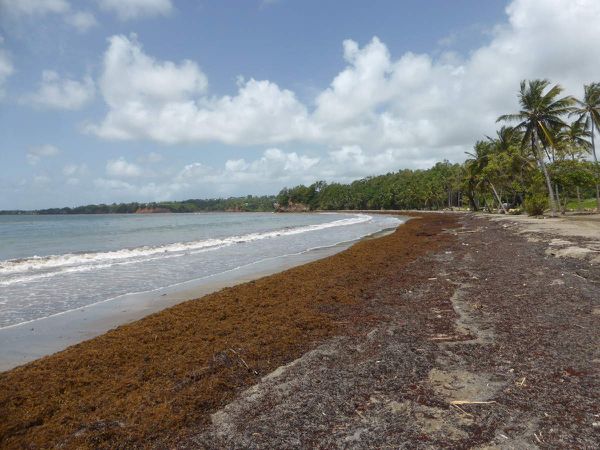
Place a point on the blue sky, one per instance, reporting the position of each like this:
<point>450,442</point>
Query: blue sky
<point>122,100</point>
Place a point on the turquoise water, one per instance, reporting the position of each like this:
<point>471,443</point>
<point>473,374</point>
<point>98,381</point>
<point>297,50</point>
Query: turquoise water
<point>53,264</point>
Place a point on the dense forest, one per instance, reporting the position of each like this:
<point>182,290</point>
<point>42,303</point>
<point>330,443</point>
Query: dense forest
<point>543,161</point>
<point>546,160</point>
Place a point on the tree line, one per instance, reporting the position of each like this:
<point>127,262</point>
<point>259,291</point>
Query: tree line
<point>544,160</point>
<point>249,203</point>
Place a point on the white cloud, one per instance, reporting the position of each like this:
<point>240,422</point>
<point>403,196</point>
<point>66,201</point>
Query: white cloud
<point>120,168</point>
<point>6,66</point>
<point>194,171</point>
<point>266,174</point>
<point>416,107</point>
<point>34,7</point>
<point>126,191</point>
<point>342,164</point>
<point>81,20</point>
<point>61,93</point>
<point>274,165</point>
<point>132,77</point>
<point>75,170</point>
<point>35,154</point>
<point>166,102</point>
<point>133,9</point>
<point>110,184</point>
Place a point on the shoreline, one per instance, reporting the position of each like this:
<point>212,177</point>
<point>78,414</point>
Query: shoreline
<point>27,341</point>
<point>454,331</point>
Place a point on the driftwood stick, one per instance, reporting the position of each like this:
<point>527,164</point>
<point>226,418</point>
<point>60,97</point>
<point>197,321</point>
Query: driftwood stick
<point>461,410</point>
<point>243,362</point>
<point>469,402</point>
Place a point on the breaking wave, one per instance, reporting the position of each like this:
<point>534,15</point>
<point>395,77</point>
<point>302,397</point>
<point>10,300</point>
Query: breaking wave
<point>39,267</point>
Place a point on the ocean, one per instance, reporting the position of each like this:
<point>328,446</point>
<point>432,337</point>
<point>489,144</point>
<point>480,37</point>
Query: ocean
<point>53,264</point>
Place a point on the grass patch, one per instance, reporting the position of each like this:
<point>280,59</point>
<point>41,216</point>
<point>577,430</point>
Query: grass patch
<point>588,203</point>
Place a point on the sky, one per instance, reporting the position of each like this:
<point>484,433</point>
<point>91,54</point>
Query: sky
<point>107,101</point>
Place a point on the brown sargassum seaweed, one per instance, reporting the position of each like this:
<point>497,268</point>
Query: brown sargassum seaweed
<point>159,378</point>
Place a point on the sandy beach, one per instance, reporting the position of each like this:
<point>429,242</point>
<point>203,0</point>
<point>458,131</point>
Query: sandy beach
<point>454,331</point>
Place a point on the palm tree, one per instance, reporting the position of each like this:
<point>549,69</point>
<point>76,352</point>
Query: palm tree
<point>589,110</point>
<point>473,169</point>
<point>478,165</point>
<point>574,139</point>
<point>540,113</point>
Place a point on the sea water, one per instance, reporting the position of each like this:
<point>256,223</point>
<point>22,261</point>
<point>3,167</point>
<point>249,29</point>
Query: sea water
<point>53,264</point>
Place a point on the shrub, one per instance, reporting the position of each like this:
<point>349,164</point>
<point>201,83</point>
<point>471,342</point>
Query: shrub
<point>536,204</point>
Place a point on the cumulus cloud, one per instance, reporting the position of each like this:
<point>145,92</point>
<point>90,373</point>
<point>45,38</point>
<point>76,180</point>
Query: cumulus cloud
<point>35,154</point>
<point>167,102</point>
<point>120,168</point>
<point>340,164</point>
<point>55,92</point>
<point>274,165</point>
<point>133,9</point>
<point>413,104</point>
<point>132,77</point>
<point>266,174</point>
<point>194,171</point>
<point>81,20</point>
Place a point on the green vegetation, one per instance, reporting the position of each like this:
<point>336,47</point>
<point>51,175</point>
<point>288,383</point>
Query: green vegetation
<point>434,188</point>
<point>575,205</point>
<point>542,161</point>
<point>247,204</point>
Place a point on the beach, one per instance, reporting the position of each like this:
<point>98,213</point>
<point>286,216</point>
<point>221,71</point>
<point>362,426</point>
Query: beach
<point>28,341</point>
<point>455,330</point>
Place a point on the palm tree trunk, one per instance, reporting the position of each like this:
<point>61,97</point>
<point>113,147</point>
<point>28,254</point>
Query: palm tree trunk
<point>597,168</point>
<point>540,159</point>
<point>487,205</point>
<point>549,186</point>
<point>498,197</point>
<point>471,196</point>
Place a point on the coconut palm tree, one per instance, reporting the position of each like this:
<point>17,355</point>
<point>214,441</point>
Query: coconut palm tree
<point>541,112</point>
<point>574,139</point>
<point>473,169</point>
<point>478,167</point>
<point>588,109</point>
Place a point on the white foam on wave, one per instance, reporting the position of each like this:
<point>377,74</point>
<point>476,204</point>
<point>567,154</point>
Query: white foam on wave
<point>46,266</point>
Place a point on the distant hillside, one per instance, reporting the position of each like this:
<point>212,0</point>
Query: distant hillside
<point>249,203</point>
